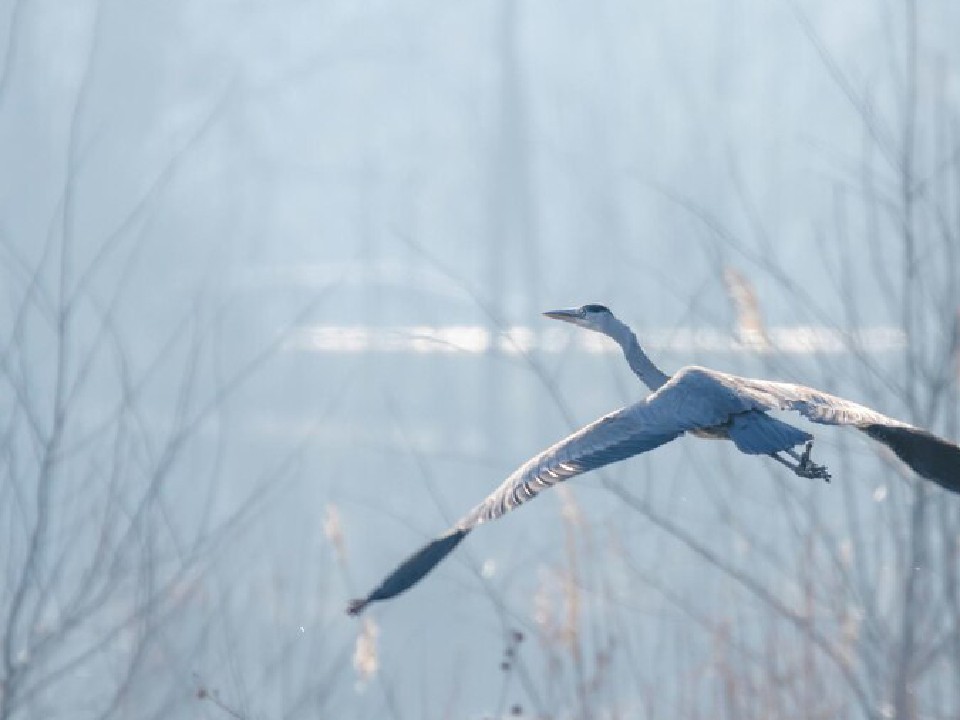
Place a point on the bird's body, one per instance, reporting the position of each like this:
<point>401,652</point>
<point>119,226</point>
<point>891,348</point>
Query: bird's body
<point>695,400</point>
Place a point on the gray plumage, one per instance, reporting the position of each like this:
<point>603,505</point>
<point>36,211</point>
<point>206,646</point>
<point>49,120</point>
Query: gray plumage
<point>696,400</point>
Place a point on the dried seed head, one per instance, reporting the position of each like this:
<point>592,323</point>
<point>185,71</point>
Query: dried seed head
<point>365,659</point>
<point>333,531</point>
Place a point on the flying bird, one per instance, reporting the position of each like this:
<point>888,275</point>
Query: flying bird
<point>696,400</point>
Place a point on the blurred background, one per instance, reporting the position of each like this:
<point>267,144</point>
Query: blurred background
<point>271,277</point>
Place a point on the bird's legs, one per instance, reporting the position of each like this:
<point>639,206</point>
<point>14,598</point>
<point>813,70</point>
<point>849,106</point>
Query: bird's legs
<point>805,468</point>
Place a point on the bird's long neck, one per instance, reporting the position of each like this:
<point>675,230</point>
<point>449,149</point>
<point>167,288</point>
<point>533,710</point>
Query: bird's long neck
<point>652,376</point>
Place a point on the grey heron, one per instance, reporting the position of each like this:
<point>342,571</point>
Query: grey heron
<point>698,401</point>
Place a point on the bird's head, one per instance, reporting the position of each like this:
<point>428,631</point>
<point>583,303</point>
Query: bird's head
<point>592,317</point>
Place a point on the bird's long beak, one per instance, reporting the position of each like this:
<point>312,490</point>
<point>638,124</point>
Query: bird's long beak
<point>567,314</point>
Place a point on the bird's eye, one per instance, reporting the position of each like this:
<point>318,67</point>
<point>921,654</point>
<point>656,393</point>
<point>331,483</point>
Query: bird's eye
<point>595,308</point>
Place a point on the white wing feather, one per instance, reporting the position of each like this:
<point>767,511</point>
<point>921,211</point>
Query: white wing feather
<point>617,436</point>
<point>691,399</point>
<point>816,405</point>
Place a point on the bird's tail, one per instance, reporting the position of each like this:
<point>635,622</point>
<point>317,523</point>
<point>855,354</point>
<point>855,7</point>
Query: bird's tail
<point>411,570</point>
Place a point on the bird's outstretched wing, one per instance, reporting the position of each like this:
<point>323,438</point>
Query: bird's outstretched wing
<point>622,434</point>
<point>815,405</point>
<point>929,456</point>
<point>689,400</point>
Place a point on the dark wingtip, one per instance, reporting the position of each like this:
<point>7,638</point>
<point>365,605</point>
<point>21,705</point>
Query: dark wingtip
<point>930,456</point>
<point>411,570</point>
<point>356,606</point>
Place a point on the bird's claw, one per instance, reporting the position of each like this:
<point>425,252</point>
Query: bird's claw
<point>809,469</point>
<point>814,472</point>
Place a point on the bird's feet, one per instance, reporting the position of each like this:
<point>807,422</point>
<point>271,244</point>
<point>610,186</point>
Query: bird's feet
<point>806,468</point>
